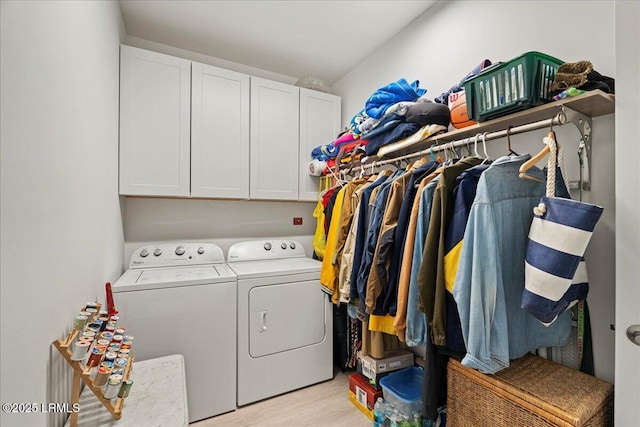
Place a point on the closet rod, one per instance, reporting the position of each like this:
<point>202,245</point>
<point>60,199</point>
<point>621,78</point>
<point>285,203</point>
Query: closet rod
<point>559,119</point>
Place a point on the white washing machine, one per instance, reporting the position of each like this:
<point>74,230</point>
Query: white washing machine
<point>181,299</point>
<point>285,323</point>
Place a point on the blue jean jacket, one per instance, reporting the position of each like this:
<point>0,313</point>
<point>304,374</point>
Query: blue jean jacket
<point>490,278</point>
<point>416,331</point>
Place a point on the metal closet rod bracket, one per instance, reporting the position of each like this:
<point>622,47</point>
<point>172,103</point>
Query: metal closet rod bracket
<point>584,124</point>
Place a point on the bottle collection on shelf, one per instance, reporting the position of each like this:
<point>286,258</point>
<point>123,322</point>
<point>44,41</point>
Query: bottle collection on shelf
<point>108,349</point>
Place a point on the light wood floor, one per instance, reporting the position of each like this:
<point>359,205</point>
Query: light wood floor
<point>325,404</point>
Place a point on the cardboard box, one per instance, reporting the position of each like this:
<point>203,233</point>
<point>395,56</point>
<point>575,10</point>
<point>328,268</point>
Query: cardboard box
<point>362,394</point>
<point>392,361</point>
<point>374,381</point>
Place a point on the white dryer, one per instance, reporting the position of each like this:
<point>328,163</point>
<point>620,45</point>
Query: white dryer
<point>285,323</point>
<point>181,299</point>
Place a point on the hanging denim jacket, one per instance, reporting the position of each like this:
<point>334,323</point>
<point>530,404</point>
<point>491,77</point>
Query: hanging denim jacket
<point>490,280</point>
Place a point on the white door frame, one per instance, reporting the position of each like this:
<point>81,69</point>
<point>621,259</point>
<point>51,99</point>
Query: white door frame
<point>627,188</point>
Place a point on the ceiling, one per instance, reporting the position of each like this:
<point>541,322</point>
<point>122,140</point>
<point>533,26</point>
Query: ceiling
<point>324,39</point>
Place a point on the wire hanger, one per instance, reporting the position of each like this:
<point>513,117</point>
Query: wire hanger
<point>511,152</point>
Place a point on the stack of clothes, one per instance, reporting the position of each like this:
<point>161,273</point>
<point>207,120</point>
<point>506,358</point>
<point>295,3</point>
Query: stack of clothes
<point>393,113</point>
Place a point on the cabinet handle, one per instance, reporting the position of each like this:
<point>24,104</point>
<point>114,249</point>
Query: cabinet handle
<point>263,321</point>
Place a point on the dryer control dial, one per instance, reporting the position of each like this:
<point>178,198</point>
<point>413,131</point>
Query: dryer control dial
<point>200,250</point>
<point>267,246</point>
<point>180,250</point>
<point>157,252</point>
<point>292,245</point>
<point>144,253</point>
<point>283,245</point>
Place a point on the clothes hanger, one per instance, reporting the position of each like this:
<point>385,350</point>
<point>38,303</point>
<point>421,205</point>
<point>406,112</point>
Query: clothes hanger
<point>337,180</point>
<point>457,154</point>
<point>475,145</point>
<point>484,148</point>
<point>468,146</point>
<point>535,159</point>
<point>433,157</point>
<point>511,152</point>
<point>452,152</point>
<point>446,153</point>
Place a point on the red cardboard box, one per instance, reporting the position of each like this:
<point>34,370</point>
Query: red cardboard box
<point>362,394</point>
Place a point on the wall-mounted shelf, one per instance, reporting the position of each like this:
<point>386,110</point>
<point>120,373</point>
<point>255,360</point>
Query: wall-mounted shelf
<point>591,104</point>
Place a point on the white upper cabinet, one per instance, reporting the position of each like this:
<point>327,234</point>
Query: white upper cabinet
<point>195,130</point>
<point>219,133</point>
<point>274,140</point>
<point>319,125</point>
<point>154,123</point>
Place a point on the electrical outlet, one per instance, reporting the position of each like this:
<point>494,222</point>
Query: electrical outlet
<point>297,221</point>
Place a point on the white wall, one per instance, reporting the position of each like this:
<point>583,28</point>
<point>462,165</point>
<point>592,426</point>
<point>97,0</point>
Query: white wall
<point>61,225</point>
<point>218,221</point>
<point>445,43</point>
<point>205,59</point>
<point>440,47</point>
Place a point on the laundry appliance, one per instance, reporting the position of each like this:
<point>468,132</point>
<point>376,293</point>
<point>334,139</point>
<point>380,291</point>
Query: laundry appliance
<point>181,299</point>
<point>285,323</point>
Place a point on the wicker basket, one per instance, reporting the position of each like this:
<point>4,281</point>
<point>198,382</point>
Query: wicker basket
<point>532,392</point>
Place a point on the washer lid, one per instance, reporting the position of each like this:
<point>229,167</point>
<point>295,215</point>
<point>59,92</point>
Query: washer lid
<point>173,277</point>
<point>275,267</point>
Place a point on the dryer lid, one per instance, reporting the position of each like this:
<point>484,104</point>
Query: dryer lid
<point>173,277</point>
<point>275,267</point>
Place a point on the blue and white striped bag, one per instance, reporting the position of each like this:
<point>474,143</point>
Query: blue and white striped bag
<point>555,270</point>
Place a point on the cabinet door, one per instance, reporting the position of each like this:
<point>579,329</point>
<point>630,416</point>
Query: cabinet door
<point>274,140</point>
<point>219,133</point>
<point>154,123</point>
<point>319,125</point>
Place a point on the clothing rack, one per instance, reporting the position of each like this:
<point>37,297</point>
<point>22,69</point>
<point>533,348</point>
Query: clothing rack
<point>559,119</point>
<point>564,116</point>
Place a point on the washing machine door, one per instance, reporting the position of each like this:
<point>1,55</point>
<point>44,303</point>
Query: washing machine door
<point>286,316</point>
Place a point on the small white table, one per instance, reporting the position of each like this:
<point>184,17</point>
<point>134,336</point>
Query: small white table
<point>158,397</point>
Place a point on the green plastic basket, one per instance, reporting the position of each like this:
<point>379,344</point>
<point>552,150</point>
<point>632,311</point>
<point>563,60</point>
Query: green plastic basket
<point>506,87</point>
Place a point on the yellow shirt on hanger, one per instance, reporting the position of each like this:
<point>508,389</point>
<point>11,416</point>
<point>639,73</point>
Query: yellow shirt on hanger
<point>328,277</point>
<point>319,238</point>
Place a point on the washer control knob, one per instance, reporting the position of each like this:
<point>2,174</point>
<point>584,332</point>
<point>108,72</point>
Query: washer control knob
<point>292,245</point>
<point>144,253</point>
<point>157,252</point>
<point>180,250</point>
<point>283,245</point>
<point>200,250</point>
<point>267,246</point>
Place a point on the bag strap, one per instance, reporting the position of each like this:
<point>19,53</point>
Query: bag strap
<point>551,164</point>
<point>556,159</point>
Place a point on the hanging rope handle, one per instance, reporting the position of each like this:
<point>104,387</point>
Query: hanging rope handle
<point>551,166</point>
<point>550,141</point>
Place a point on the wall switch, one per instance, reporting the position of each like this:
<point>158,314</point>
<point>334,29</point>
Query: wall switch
<point>297,221</point>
